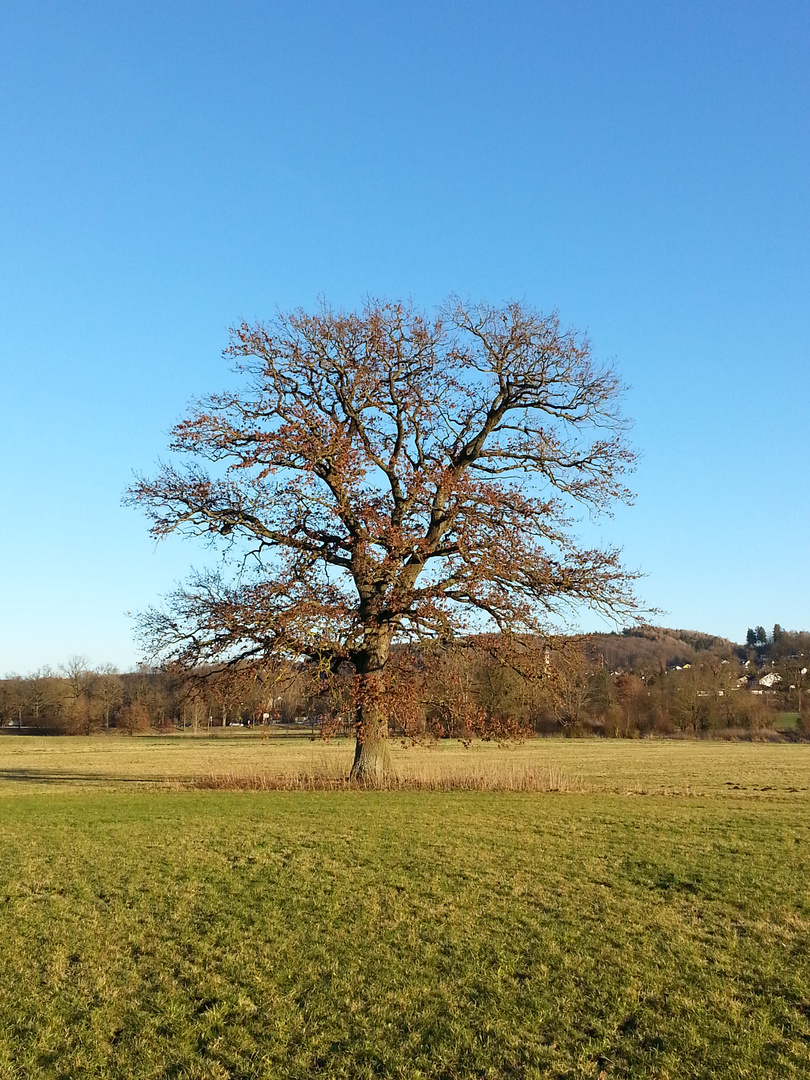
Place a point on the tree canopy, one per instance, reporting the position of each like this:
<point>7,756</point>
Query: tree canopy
<point>386,476</point>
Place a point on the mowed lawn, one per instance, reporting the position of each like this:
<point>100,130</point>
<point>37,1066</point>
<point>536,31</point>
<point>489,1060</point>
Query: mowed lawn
<point>154,931</point>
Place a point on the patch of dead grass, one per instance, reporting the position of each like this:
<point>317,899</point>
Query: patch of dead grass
<point>430,777</point>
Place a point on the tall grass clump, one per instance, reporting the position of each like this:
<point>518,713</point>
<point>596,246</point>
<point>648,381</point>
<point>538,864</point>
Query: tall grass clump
<point>488,776</point>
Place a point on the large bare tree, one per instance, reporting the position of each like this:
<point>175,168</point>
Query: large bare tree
<point>385,476</point>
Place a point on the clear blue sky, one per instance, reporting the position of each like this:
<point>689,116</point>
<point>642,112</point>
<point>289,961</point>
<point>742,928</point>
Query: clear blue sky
<point>167,168</point>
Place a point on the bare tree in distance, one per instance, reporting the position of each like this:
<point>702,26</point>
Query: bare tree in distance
<point>385,477</point>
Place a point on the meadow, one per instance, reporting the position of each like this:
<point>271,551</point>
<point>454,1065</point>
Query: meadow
<point>647,915</point>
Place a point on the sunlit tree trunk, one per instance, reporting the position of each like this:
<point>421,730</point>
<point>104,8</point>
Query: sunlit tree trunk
<point>372,755</point>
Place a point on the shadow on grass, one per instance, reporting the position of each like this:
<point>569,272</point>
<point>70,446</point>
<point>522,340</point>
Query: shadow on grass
<point>40,776</point>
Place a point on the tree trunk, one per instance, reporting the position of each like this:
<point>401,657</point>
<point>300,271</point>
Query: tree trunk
<point>372,756</point>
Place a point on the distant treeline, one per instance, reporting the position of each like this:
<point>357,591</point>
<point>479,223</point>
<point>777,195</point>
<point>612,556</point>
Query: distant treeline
<point>649,680</point>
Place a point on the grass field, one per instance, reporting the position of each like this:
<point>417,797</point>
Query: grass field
<point>649,767</point>
<point>787,721</point>
<point>155,930</point>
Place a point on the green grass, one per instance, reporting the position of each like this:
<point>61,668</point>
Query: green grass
<point>150,932</point>
<point>787,721</point>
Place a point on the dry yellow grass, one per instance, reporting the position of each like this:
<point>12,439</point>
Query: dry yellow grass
<point>650,767</point>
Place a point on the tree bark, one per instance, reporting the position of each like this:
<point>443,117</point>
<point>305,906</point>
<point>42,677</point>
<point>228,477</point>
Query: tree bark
<point>372,755</point>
